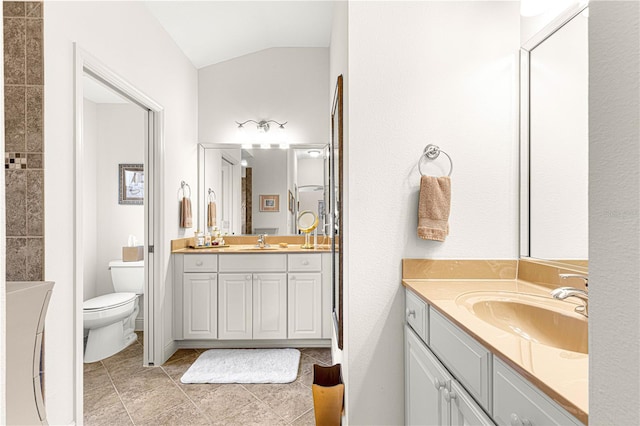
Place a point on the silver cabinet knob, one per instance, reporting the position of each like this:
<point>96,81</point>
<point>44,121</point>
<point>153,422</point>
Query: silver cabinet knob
<point>305,262</point>
<point>516,420</point>
<point>411,313</point>
<point>449,395</point>
<point>438,384</point>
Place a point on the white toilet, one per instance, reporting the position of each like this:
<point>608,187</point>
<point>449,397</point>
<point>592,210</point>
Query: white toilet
<point>110,318</point>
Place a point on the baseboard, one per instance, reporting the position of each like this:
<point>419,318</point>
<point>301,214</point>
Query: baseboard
<point>224,344</point>
<point>139,324</point>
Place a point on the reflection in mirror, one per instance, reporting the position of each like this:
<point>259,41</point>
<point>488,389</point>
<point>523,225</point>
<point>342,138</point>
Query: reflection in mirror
<point>557,74</point>
<point>307,223</point>
<point>335,206</point>
<point>260,191</point>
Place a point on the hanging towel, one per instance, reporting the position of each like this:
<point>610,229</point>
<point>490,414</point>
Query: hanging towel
<point>434,207</point>
<point>185,213</point>
<point>211,214</point>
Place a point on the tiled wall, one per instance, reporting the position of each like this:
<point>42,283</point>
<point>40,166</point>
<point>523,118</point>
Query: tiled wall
<point>24,142</point>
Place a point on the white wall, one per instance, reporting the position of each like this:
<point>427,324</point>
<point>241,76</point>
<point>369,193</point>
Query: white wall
<point>614,199</point>
<point>419,73</point>
<point>282,84</point>
<point>125,37</point>
<point>121,140</point>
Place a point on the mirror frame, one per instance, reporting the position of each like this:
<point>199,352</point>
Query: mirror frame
<point>337,230</point>
<point>525,129</point>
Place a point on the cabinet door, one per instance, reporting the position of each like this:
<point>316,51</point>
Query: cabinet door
<point>464,410</point>
<point>305,306</point>
<point>425,383</point>
<point>516,401</point>
<point>270,306</point>
<point>234,309</point>
<point>200,306</point>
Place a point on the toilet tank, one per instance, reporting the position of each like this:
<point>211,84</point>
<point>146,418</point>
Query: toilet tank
<point>127,276</point>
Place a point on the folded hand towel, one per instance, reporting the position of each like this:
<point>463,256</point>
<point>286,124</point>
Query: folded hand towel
<point>211,214</point>
<point>434,207</point>
<point>185,213</point>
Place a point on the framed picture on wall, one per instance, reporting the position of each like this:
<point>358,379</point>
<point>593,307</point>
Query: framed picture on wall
<point>269,203</point>
<point>291,202</point>
<point>131,184</point>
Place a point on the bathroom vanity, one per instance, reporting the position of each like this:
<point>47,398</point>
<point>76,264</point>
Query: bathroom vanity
<point>460,368</point>
<point>247,297</point>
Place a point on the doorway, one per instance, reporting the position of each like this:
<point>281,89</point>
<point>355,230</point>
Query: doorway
<point>151,155</point>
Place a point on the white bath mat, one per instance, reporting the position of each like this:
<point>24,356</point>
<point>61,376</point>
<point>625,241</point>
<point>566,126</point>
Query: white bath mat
<point>244,366</point>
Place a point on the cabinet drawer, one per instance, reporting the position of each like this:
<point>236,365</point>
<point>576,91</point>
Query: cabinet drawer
<point>416,313</point>
<point>516,400</point>
<point>253,263</point>
<point>200,263</point>
<point>305,262</point>
<point>468,360</point>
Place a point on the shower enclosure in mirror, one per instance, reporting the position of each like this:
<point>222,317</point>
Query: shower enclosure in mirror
<point>236,179</point>
<point>554,141</point>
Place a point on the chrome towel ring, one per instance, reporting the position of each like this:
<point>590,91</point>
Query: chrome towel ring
<point>432,152</point>
<point>211,197</point>
<point>183,188</point>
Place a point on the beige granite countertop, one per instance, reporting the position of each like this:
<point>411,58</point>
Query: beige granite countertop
<point>561,374</point>
<point>251,248</point>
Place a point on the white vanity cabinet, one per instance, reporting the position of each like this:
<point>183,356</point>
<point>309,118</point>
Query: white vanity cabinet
<point>253,306</point>
<point>433,396</point>
<point>518,402</point>
<point>252,296</point>
<point>450,378</point>
<point>200,317</point>
<point>198,297</point>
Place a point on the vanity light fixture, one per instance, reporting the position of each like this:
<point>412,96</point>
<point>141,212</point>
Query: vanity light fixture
<point>262,125</point>
<point>243,163</point>
<point>314,153</point>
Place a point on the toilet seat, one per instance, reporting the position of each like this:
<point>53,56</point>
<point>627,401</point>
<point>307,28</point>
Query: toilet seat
<point>107,301</point>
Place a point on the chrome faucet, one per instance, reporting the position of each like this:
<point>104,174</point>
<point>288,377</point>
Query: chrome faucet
<point>262,241</point>
<point>562,293</point>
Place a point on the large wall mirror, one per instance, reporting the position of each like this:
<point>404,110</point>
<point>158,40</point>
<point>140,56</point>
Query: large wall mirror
<point>555,145</point>
<point>261,191</point>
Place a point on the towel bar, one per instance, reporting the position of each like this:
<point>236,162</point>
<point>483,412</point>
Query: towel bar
<point>432,152</point>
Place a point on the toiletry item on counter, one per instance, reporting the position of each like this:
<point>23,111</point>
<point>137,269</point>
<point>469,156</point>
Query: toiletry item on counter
<point>198,239</point>
<point>207,239</point>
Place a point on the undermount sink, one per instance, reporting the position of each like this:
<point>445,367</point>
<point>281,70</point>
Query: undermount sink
<point>535,318</point>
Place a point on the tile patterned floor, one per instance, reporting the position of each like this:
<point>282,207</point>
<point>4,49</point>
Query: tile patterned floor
<point>120,391</point>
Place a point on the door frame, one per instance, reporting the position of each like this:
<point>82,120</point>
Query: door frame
<point>154,218</point>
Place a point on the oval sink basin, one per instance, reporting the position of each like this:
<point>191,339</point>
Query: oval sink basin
<point>535,318</point>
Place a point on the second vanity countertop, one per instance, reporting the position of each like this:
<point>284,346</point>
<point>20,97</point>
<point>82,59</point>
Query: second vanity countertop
<point>251,248</point>
<point>561,374</point>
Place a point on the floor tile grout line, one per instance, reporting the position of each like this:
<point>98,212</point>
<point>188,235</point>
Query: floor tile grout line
<point>300,416</point>
<point>188,397</point>
<point>264,402</point>
<point>118,393</point>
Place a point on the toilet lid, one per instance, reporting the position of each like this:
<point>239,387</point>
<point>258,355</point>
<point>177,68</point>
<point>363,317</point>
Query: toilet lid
<point>105,301</point>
